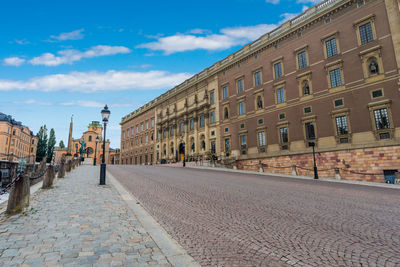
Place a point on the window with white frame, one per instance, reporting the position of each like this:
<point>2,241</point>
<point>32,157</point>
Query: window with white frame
<point>225,92</point>
<point>257,78</point>
<point>341,125</point>
<point>366,34</point>
<point>280,95</point>
<point>261,138</point>
<point>331,47</point>
<point>302,59</point>
<point>212,117</point>
<point>381,119</point>
<point>241,108</point>
<point>335,77</point>
<point>240,86</point>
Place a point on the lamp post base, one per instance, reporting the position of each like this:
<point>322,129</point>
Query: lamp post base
<point>102,174</point>
<point>315,172</point>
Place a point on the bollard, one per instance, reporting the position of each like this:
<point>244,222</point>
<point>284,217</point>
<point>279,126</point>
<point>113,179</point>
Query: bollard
<point>73,164</point>
<point>337,174</point>
<point>61,171</point>
<point>235,165</point>
<point>68,166</point>
<point>294,170</point>
<point>49,178</point>
<point>260,166</point>
<point>18,200</point>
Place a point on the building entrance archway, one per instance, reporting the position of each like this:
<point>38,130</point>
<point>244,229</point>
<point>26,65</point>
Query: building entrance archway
<point>181,151</point>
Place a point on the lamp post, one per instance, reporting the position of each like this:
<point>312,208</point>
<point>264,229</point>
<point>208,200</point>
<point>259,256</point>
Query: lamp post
<point>95,153</point>
<point>105,114</point>
<point>312,144</point>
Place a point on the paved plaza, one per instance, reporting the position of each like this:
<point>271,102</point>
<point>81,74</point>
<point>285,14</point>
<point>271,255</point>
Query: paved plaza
<point>77,223</point>
<point>236,219</point>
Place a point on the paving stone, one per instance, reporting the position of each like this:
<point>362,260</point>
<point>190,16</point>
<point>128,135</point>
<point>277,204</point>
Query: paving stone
<point>77,223</point>
<point>238,219</point>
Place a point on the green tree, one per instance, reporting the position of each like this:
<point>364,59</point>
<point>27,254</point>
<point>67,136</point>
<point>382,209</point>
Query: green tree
<point>61,145</point>
<point>42,143</point>
<point>50,145</point>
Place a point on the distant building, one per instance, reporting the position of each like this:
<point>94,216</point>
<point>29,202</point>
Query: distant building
<point>16,140</point>
<point>329,77</point>
<point>92,138</point>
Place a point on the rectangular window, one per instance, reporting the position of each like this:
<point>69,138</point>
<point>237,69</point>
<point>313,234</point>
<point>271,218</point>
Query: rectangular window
<point>212,100</point>
<point>336,79</point>
<point>241,108</point>
<point>341,125</point>
<point>280,95</point>
<point>225,92</point>
<point>366,35</point>
<point>137,128</point>
<point>257,78</point>
<point>302,58</point>
<point>191,124</point>
<point>212,146</point>
<point>171,131</point>
<point>381,119</point>
<point>202,120</point>
<point>338,102</point>
<point>261,138</point>
<point>181,127</point>
<point>212,117</point>
<point>331,48</point>
<point>243,141</point>
<point>147,138</point>
<point>278,70</point>
<point>147,124</point>
<point>310,131</point>
<point>152,123</point>
<point>283,135</point>
<point>141,127</point>
<point>240,86</point>
<point>165,132</point>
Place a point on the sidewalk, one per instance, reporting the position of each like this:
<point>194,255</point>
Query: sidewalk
<point>79,223</point>
<point>333,180</point>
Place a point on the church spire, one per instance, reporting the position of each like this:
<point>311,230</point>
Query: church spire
<point>70,141</point>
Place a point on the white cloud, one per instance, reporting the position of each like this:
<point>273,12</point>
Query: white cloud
<point>88,82</point>
<point>22,42</point>
<point>83,103</point>
<point>199,31</point>
<point>69,56</point>
<point>287,16</point>
<point>273,1</point>
<point>229,37</point>
<point>33,102</point>
<point>13,61</point>
<point>74,35</point>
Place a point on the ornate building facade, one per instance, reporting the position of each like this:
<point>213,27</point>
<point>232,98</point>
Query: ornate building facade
<point>93,140</point>
<point>328,77</point>
<point>16,140</point>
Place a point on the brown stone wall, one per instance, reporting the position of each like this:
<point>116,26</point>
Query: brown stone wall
<point>351,163</point>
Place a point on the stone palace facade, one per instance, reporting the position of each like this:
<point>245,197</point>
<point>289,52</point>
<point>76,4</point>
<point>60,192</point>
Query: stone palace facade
<point>329,76</point>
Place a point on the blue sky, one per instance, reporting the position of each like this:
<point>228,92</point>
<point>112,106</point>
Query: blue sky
<point>59,58</point>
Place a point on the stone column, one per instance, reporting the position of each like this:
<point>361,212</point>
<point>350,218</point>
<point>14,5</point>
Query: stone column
<point>18,199</point>
<point>49,177</point>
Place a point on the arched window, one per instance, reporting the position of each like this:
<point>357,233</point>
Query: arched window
<point>226,113</point>
<point>259,102</point>
<point>373,66</point>
<point>306,88</point>
<point>90,138</point>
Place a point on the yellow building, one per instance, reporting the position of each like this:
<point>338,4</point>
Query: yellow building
<point>16,140</point>
<point>94,146</point>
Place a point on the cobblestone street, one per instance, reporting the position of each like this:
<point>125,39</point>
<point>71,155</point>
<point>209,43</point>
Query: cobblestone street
<point>77,223</point>
<point>234,219</point>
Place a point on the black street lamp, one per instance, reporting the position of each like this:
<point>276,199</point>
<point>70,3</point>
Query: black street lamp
<point>312,144</point>
<point>105,114</point>
<point>95,153</point>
